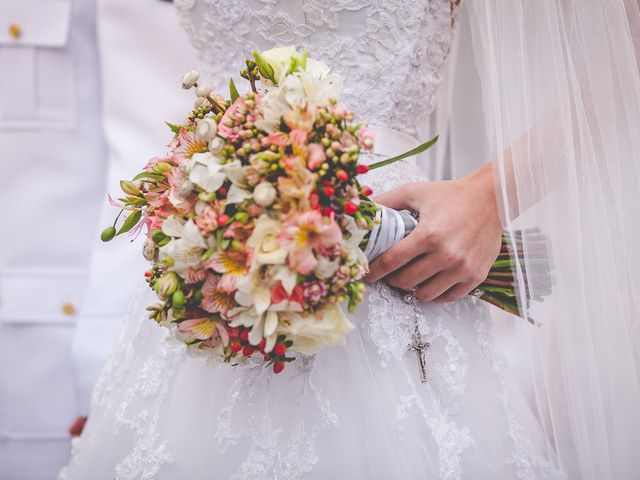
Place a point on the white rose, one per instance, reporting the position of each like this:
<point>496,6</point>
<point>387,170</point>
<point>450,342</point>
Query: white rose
<point>310,333</point>
<point>264,242</point>
<point>264,194</point>
<point>216,145</point>
<point>206,130</point>
<point>280,59</point>
<point>190,79</point>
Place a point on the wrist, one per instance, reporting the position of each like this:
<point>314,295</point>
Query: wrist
<point>481,182</point>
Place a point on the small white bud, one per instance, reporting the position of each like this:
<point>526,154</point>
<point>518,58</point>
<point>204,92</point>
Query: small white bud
<point>200,102</point>
<point>264,194</point>
<point>190,79</point>
<point>203,89</point>
<point>206,130</point>
<point>216,144</point>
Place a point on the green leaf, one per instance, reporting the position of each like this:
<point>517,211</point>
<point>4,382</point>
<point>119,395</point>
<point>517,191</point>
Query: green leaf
<point>233,91</point>
<point>419,149</point>
<point>148,176</point>
<point>131,221</point>
<point>174,128</point>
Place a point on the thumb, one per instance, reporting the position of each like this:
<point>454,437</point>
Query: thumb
<point>400,198</point>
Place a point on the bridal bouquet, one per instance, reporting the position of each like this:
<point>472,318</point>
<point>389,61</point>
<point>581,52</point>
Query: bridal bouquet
<point>255,218</point>
<point>257,227</point>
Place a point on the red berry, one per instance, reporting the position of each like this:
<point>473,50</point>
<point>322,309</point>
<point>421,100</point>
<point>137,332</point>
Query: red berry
<point>222,192</point>
<point>148,273</point>
<point>366,191</point>
<point>244,335</point>
<point>278,367</point>
<point>222,219</point>
<point>267,357</point>
<point>248,350</point>
<point>329,191</point>
<point>262,344</point>
<point>235,347</point>
<point>280,349</point>
<point>362,168</point>
<point>328,211</point>
<point>342,175</point>
<point>350,208</point>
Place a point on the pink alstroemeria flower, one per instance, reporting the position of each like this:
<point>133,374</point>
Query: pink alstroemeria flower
<point>214,299</point>
<point>306,233</point>
<point>202,329</point>
<point>187,146</point>
<point>232,265</point>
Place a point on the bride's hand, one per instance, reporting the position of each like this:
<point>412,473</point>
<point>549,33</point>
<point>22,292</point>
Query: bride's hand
<point>455,243</point>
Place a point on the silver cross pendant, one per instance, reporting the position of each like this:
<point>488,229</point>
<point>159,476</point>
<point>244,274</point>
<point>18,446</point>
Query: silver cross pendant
<point>420,347</point>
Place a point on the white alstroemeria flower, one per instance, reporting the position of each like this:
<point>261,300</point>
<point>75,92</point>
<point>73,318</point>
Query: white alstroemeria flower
<point>326,268</point>
<point>207,172</point>
<point>274,106</point>
<point>287,277</point>
<point>254,297</point>
<point>317,68</point>
<point>173,227</point>
<point>352,243</point>
<point>186,250</point>
<point>238,191</point>
<point>303,87</point>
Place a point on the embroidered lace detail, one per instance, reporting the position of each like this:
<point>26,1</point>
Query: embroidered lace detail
<point>273,452</point>
<point>391,53</point>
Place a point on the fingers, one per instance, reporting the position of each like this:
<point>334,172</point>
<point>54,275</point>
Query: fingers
<point>455,293</point>
<point>400,198</point>
<point>397,256</point>
<point>416,272</point>
<point>437,285</point>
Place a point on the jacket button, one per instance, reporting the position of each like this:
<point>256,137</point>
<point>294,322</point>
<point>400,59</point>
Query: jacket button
<point>68,309</point>
<point>15,31</point>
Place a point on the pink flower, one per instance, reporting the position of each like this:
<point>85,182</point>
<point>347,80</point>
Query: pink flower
<point>192,275</point>
<point>314,291</point>
<point>306,233</point>
<point>366,138</point>
<point>187,146</point>
<point>203,329</point>
<point>316,156</point>
<point>280,139</point>
<point>298,137</point>
<point>215,300</point>
<point>232,265</point>
<point>207,220</point>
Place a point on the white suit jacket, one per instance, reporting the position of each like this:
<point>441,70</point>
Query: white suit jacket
<point>52,160</point>
<point>144,54</point>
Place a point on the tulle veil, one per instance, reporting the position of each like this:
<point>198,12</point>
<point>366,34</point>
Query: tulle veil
<point>550,90</point>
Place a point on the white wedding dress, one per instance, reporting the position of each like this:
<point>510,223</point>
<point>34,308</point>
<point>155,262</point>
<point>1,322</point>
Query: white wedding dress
<point>351,412</point>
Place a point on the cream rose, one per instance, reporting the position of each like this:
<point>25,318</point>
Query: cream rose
<point>265,244</point>
<point>310,333</point>
<point>264,194</point>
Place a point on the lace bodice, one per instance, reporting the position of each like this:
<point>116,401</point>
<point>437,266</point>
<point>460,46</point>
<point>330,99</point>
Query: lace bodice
<point>391,52</point>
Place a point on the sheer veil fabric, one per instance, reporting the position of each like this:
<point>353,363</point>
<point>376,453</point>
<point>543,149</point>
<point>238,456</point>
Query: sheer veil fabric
<point>560,97</point>
<point>558,79</point>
